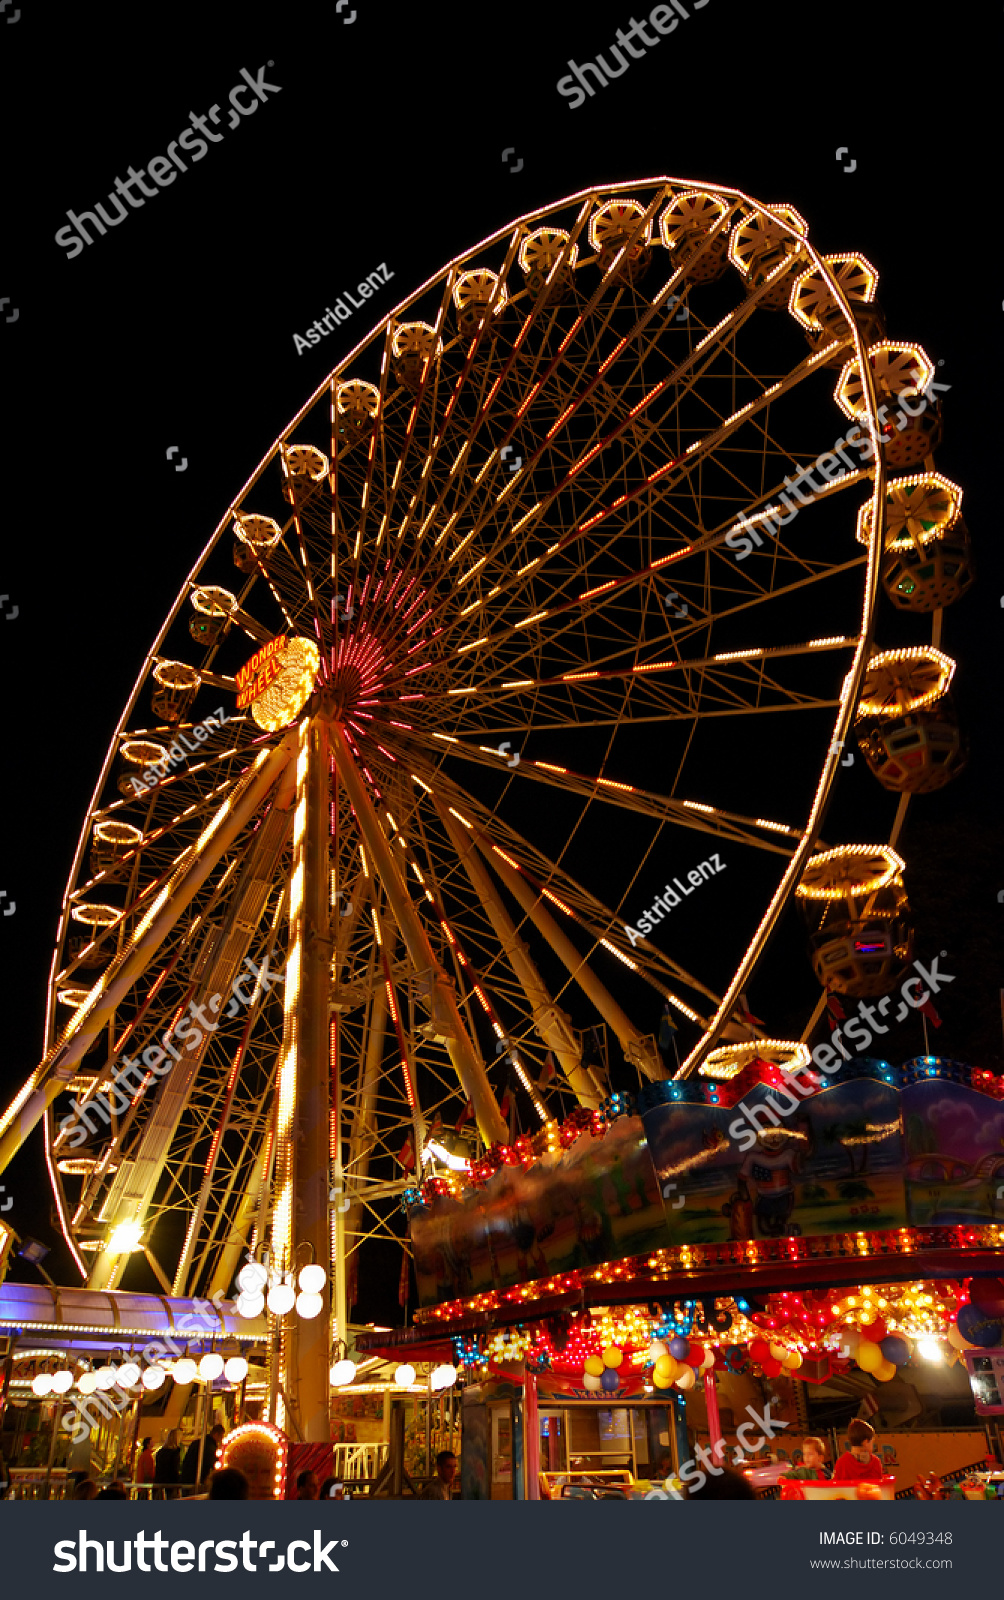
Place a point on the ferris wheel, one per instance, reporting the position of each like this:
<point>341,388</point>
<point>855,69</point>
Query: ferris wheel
<point>515,621</point>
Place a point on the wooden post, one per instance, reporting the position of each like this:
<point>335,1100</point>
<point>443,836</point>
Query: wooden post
<point>531,1440</point>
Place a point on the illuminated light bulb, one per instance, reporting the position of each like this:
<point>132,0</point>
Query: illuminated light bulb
<point>128,1375</point>
<point>61,1381</point>
<point>185,1370</point>
<point>281,1298</point>
<point>930,1349</point>
<point>125,1238</point>
<point>309,1305</point>
<point>105,1377</point>
<point>87,1383</point>
<point>211,1366</point>
<point>249,1305</point>
<point>443,1377</point>
<point>312,1278</point>
<point>41,1384</point>
<point>153,1378</point>
<point>404,1376</point>
<point>252,1278</point>
<point>342,1372</point>
<point>236,1369</point>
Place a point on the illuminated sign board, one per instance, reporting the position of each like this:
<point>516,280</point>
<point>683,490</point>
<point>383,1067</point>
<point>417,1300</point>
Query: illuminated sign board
<point>261,670</point>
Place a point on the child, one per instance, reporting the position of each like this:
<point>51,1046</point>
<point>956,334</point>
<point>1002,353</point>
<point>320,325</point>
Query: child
<point>858,1463</point>
<point>813,1465</point>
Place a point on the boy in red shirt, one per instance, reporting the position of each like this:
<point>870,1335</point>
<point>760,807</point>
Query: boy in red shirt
<point>858,1463</point>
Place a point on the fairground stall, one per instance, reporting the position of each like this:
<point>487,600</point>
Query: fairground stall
<point>647,1281</point>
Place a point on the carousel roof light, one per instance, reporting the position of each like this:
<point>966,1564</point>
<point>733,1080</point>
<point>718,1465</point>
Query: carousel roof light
<point>855,869</point>
<point>729,1060</point>
<point>918,508</point>
<point>930,675</point>
<point>212,601</point>
<point>897,369</point>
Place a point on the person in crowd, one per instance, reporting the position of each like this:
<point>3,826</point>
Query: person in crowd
<point>724,1485</point>
<point>441,1487</point>
<point>306,1486</point>
<point>228,1483</point>
<point>145,1467</point>
<point>167,1466</point>
<point>858,1463</point>
<point>86,1489</point>
<point>332,1489</point>
<point>190,1472</point>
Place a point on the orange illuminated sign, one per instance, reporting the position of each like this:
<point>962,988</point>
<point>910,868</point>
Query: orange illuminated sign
<point>263,668</point>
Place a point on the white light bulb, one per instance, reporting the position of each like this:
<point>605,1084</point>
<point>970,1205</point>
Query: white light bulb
<point>61,1381</point>
<point>185,1370</point>
<point>309,1305</point>
<point>930,1349</point>
<point>42,1384</point>
<point>312,1278</point>
<point>105,1377</point>
<point>236,1369</point>
<point>252,1278</point>
<point>249,1305</point>
<point>128,1375</point>
<point>404,1376</point>
<point>444,1376</point>
<point>153,1378</point>
<point>342,1372</point>
<point>211,1366</point>
<point>281,1298</point>
<point>87,1383</point>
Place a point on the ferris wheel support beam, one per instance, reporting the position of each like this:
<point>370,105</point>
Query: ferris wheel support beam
<point>300,1215</point>
<point>551,1024</point>
<point>363,1137</point>
<point>241,1228</point>
<point>442,998</point>
<point>53,1074</point>
<point>638,1050</point>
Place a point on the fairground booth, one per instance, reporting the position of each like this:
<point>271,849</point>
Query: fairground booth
<point>648,1281</point>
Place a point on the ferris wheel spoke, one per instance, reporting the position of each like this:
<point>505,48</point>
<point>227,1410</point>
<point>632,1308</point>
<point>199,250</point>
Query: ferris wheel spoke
<point>570,410</point>
<point>517,854</point>
<point>687,813</point>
